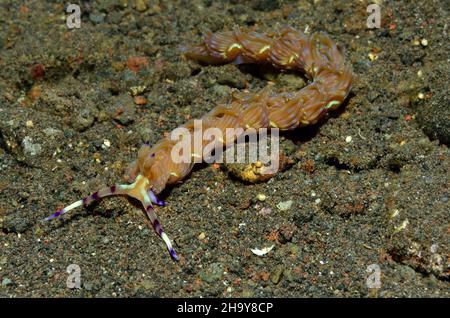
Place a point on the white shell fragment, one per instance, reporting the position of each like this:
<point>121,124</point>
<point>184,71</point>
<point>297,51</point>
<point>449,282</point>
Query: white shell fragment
<point>262,252</point>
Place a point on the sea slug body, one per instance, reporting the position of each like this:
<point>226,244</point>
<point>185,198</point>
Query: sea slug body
<point>317,56</point>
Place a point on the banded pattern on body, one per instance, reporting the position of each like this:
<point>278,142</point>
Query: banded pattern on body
<point>316,55</point>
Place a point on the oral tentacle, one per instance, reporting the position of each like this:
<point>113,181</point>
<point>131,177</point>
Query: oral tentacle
<point>141,192</point>
<point>155,200</point>
<point>136,190</point>
<point>108,191</point>
<point>158,228</point>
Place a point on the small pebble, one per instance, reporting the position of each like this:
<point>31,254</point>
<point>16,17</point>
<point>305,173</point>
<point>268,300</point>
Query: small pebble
<point>52,132</point>
<point>424,42</point>
<point>136,90</point>
<point>348,139</point>
<point>97,17</point>
<point>31,148</point>
<point>276,274</point>
<point>6,281</point>
<point>248,293</point>
<point>261,197</point>
<point>395,213</point>
<point>212,273</point>
<point>402,226</point>
<point>201,236</point>
<point>434,248</point>
<point>140,100</point>
<point>3,260</point>
<point>147,284</point>
<point>285,205</point>
<point>140,5</point>
<point>372,56</point>
<point>265,211</point>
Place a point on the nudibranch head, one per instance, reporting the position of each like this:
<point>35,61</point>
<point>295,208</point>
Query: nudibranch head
<point>141,190</point>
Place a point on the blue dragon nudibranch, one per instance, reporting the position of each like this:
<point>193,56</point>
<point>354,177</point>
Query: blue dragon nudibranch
<point>316,55</point>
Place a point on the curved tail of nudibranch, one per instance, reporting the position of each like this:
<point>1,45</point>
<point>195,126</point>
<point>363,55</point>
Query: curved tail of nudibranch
<point>138,190</point>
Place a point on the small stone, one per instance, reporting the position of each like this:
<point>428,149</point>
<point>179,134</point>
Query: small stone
<point>31,148</point>
<point>125,113</point>
<point>135,64</point>
<point>6,281</point>
<point>51,132</point>
<point>34,92</point>
<point>84,119</point>
<point>433,117</point>
<point>261,197</point>
<point>265,211</point>
<point>285,205</point>
<point>97,17</point>
<point>140,100</point>
<point>212,273</point>
<point>248,293</point>
<point>372,56</point>
<point>136,90</point>
<point>102,116</point>
<point>276,274</point>
<point>395,213</point>
<point>424,42</point>
<point>3,260</point>
<point>140,5</point>
<point>286,233</point>
<point>201,236</point>
<point>348,139</point>
<point>148,284</point>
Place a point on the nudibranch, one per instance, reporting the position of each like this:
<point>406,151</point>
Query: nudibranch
<point>317,56</point>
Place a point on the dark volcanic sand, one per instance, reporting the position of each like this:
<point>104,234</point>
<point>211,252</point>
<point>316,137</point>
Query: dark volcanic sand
<point>368,186</point>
